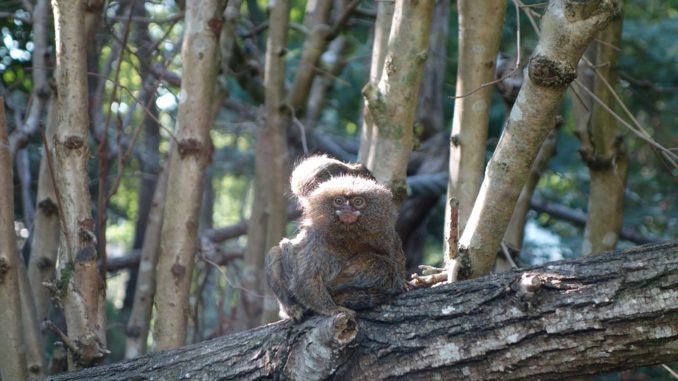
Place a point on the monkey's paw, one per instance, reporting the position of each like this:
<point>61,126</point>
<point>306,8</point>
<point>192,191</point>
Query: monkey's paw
<point>434,276</point>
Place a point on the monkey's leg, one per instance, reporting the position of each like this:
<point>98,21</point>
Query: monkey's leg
<point>275,275</point>
<point>370,270</point>
<point>367,280</point>
<point>312,293</point>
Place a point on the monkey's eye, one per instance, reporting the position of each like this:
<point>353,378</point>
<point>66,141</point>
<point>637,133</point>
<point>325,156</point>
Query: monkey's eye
<point>358,202</point>
<point>339,201</point>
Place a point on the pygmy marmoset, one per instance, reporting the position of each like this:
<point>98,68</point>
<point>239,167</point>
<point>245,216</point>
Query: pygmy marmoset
<point>347,254</point>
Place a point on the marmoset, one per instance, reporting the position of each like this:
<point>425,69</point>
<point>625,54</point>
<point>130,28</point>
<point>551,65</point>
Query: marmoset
<point>347,254</point>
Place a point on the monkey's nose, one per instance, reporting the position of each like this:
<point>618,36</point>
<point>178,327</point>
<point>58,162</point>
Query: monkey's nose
<point>348,216</point>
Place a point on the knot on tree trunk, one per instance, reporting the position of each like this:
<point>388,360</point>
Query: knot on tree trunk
<point>322,349</point>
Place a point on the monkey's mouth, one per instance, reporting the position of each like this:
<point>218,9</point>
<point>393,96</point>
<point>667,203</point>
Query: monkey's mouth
<point>348,216</point>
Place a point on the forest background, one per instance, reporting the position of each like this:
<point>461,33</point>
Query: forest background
<point>135,70</point>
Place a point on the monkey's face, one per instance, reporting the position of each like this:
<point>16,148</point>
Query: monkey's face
<point>348,208</point>
<point>350,204</point>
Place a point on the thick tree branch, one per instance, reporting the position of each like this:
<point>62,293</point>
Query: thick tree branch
<point>569,318</point>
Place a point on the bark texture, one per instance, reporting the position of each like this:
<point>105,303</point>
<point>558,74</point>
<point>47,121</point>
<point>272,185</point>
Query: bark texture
<point>516,228</point>
<point>32,337</point>
<point>188,161</point>
<point>480,25</point>
<point>603,149</point>
<point>269,215</point>
<point>13,359</point>
<point>83,293</point>
<point>567,27</point>
<point>46,228</point>
<point>391,102</point>
<point>570,318</point>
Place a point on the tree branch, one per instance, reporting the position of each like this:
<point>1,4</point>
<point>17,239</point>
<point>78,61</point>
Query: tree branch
<point>569,318</point>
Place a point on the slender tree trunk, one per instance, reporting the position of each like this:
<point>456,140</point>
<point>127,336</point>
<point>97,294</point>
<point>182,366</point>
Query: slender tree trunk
<point>41,91</point>
<point>23,171</point>
<point>84,295</point>
<point>382,30</point>
<point>516,229</point>
<point>603,149</point>
<point>480,25</point>
<point>149,160</point>
<point>139,322</point>
<point>414,211</point>
<point>13,360</point>
<point>45,223</point>
<point>46,227</point>
<point>323,83</point>
<point>596,314</point>
<point>317,21</point>
<point>566,29</point>
<point>178,242</point>
<point>391,102</point>
<point>513,238</point>
<point>229,33</point>
<point>32,336</point>
<point>429,112</point>
<point>268,215</point>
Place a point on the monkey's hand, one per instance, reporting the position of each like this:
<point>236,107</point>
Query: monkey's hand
<point>435,276</point>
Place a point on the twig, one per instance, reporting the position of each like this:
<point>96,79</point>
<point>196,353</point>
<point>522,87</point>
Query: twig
<point>671,371</point>
<point>507,254</point>
<point>341,20</point>
<point>451,251</point>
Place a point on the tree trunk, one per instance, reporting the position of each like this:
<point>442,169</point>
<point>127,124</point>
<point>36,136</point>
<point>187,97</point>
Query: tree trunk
<point>480,25</point>
<point>149,159</point>
<point>516,229</point>
<point>83,296</point>
<point>316,20</point>
<point>429,112</point>
<point>32,337</point>
<point>23,172</point>
<point>228,34</point>
<point>139,321</point>
<point>41,90</point>
<point>188,161</point>
<point>414,211</point>
<point>322,84</point>
<point>13,359</point>
<point>391,102</point>
<point>566,29</point>
<point>382,30</point>
<point>45,237</point>
<point>595,314</point>
<point>268,215</point>
<point>603,148</point>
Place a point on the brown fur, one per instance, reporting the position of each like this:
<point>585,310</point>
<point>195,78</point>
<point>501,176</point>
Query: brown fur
<point>333,266</point>
<point>314,170</point>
